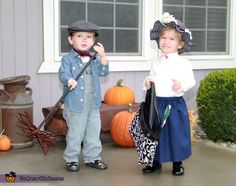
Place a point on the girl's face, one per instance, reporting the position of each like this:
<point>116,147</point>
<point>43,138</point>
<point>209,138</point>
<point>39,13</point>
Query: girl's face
<point>170,41</point>
<point>82,41</point>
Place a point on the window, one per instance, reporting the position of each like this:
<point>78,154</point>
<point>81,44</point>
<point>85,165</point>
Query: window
<point>208,21</point>
<point>124,33</point>
<point>125,28</point>
<point>119,21</point>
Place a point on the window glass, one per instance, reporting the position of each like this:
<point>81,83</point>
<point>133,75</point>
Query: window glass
<point>71,12</point>
<point>216,41</point>
<point>127,41</point>
<point>101,14</point>
<point>107,0</point>
<point>194,2</point>
<point>219,3</point>
<point>127,16</point>
<point>179,2</point>
<point>200,45</point>
<point>128,1</point>
<point>206,19</point>
<point>195,18</point>
<point>106,36</point>
<point>64,40</point>
<point>119,22</point>
<point>176,11</point>
<point>217,18</point>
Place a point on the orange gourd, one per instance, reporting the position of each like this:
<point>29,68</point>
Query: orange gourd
<point>5,142</point>
<point>119,128</point>
<point>119,95</point>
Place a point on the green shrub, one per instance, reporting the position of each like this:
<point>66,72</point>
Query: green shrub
<point>216,100</point>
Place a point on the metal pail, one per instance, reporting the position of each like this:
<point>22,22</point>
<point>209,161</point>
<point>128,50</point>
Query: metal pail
<point>14,99</point>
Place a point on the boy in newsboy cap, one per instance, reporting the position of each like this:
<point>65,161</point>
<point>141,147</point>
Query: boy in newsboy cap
<point>81,105</point>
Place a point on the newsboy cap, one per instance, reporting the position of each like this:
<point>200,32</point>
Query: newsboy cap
<point>83,26</point>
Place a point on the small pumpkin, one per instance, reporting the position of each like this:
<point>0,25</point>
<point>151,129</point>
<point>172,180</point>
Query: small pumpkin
<point>119,95</point>
<point>5,142</point>
<point>119,128</point>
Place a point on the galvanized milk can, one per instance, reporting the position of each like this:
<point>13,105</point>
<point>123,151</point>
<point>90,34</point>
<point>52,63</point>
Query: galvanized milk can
<point>14,99</point>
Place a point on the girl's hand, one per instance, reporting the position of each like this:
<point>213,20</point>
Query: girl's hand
<point>176,85</point>
<point>72,84</point>
<point>147,83</point>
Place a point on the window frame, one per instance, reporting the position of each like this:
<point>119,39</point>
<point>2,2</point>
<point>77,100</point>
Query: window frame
<point>150,14</point>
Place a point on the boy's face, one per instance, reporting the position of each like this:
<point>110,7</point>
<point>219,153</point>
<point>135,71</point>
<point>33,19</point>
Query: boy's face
<point>170,41</point>
<point>82,41</point>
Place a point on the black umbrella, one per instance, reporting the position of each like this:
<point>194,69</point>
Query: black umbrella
<point>144,131</point>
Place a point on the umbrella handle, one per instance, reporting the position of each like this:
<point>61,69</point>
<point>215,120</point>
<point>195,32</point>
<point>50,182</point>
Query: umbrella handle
<point>166,115</point>
<point>54,108</point>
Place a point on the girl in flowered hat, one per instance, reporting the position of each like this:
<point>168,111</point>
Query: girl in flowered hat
<point>173,76</point>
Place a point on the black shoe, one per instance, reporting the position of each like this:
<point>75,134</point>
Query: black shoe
<point>97,164</point>
<point>72,166</point>
<point>150,169</point>
<point>178,170</point>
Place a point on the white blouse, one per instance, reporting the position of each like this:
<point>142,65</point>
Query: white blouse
<point>171,67</point>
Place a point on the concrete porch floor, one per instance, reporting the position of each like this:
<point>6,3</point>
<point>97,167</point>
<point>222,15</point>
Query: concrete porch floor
<point>209,165</point>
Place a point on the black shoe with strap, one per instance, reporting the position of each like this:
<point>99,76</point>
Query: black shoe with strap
<point>150,169</point>
<point>97,164</point>
<point>178,169</point>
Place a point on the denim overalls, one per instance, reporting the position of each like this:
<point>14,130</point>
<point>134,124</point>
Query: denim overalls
<point>84,127</point>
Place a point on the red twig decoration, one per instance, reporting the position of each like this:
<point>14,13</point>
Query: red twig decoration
<point>44,138</point>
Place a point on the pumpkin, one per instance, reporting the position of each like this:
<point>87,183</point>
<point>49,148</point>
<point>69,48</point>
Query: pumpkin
<point>5,142</point>
<point>119,128</point>
<point>119,95</point>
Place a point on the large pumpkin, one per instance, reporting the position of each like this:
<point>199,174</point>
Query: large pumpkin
<point>119,95</point>
<point>5,142</point>
<point>119,128</point>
